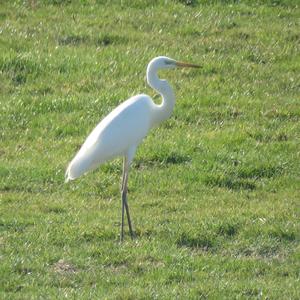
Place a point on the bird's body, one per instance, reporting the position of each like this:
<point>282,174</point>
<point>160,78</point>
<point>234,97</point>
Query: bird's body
<point>122,130</point>
<point>118,133</point>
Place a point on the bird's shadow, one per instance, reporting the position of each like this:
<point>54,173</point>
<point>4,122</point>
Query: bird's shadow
<point>161,160</point>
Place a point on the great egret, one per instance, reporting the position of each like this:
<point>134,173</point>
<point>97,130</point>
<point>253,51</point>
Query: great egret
<point>121,131</point>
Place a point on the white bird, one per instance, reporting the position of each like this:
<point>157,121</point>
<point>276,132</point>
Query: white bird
<point>122,130</point>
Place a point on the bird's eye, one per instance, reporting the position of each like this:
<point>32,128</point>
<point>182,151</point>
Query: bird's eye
<point>168,62</point>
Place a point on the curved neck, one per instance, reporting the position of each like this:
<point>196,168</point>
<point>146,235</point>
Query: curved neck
<point>163,110</point>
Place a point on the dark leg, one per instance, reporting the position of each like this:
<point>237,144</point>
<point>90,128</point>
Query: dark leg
<point>122,220</point>
<point>127,208</point>
<point>124,200</point>
<point>122,203</point>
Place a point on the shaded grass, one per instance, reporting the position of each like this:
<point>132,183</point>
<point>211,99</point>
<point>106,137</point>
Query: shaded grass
<point>214,191</point>
<point>103,40</point>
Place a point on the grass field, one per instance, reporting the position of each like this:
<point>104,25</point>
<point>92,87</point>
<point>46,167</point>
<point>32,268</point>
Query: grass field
<point>214,191</point>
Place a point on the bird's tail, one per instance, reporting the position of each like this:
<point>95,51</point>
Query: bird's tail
<point>78,166</point>
<point>75,168</point>
<point>68,176</point>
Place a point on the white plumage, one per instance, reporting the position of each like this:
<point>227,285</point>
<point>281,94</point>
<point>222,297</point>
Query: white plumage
<point>121,131</point>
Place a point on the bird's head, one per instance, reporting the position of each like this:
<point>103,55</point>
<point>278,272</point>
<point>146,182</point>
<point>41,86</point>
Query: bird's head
<point>164,62</point>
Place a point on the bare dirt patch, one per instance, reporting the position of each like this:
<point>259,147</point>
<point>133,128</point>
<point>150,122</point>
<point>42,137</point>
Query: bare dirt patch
<point>64,267</point>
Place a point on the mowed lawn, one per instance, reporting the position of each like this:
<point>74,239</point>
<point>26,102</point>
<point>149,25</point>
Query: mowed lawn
<point>213,192</point>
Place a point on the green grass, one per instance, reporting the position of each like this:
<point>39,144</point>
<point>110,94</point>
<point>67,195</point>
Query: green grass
<point>214,191</point>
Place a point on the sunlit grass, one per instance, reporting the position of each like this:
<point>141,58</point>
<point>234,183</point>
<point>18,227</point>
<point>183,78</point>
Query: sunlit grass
<point>214,191</point>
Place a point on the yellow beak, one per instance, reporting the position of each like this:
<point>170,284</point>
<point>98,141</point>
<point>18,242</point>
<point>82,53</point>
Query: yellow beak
<point>186,65</point>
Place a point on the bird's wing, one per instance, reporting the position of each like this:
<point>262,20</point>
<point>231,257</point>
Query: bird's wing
<point>129,122</point>
<point>123,128</point>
